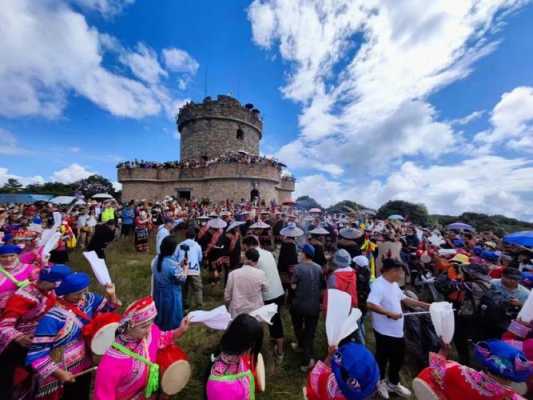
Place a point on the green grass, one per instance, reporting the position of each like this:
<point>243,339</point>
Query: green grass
<point>130,272</point>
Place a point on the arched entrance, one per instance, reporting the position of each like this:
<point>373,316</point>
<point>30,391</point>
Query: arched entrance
<point>254,195</point>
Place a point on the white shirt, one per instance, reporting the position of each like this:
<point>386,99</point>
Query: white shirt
<point>389,296</point>
<point>194,255</point>
<point>267,264</point>
<point>162,233</point>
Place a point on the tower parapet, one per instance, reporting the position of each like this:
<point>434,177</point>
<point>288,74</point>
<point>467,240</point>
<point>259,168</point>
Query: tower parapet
<point>214,127</point>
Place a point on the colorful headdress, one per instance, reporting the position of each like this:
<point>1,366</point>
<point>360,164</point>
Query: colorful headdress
<point>139,312</point>
<point>503,360</point>
<point>73,283</point>
<point>356,371</point>
<point>9,248</point>
<point>54,273</point>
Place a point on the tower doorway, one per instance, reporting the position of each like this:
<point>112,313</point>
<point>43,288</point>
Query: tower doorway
<point>254,195</point>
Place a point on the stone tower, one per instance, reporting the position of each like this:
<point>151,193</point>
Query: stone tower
<point>214,127</point>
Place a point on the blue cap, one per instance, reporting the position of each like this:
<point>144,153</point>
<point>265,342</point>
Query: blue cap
<point>9,249</point>
<point>55,273</point>
<point>73,283</point>
<point>308,250</point>
<point>356,371</point>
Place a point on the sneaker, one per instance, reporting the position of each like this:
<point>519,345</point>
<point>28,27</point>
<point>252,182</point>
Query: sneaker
<point>307,367</point>
<point>383,389</point>
<point>399,389</point>
<point>296,348</point>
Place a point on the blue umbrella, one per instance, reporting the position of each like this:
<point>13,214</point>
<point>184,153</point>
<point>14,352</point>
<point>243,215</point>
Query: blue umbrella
<point>395,217</point>
<point>460,226</point>
<point>523,238</point>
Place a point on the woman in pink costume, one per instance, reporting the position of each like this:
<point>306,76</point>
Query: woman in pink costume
<point>231,377</point>
<point>13,273</point>
<point>126,371</point>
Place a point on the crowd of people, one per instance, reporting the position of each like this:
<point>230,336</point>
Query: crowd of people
<point>298,262</point>
<point>230,157</point>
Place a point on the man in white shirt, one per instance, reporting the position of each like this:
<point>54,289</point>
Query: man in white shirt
<point>274,293</point>
<point>191,251</point>
<point>162,232</point>
<point>385,302</point>
<point>245,287</point>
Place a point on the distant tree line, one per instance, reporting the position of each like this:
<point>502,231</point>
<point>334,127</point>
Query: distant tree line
<point>86,187</point>
<point>418,214</point>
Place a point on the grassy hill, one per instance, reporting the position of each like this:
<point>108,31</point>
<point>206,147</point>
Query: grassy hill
<point>130,272</point>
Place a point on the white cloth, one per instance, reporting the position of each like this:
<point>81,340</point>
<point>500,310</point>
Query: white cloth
<point>82,220</point>
<point>389,296</point>
<point>162,233</point>
<point>91,221</point>
<point>268,265</point>
<point>218,318</point>
<point>194,254</point>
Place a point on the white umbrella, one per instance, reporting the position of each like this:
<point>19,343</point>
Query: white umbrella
<point>260,225</point>
<point>102,196</point>
<point>319,231</point>
<point>291,230</point>
<point>235,224</point>
<point>66,200</point>
<point>315,210</point>
<point>217,223</point>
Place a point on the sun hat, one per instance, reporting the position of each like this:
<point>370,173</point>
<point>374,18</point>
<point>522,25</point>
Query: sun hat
<point>350,233</point>
<point>291,230</point>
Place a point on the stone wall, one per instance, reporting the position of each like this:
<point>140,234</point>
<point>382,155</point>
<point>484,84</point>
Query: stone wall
<point>214,171</point>
<point>215,190</point>
<point>214,127</point>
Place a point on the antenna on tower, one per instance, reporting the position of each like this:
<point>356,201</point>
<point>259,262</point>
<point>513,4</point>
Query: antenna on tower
<point>205,81</point>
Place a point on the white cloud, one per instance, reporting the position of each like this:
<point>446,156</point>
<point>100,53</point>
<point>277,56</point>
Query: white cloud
<point>180,61</point>
<point>66,57</point>
<point>25,180</point>
<point>489,184</point>
<point>117,186</point>
<point>74,149</point>
<point>9,145</point>
<point>511,120</point>
<point>143,63</point>
<point>372,99</point>
<point>105,7</point>
<point>468,118</point>
<point>72,173</point>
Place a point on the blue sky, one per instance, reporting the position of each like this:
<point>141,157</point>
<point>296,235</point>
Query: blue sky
<point>366,100</point>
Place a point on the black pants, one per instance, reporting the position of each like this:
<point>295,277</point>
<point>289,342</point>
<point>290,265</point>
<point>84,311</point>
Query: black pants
<point>389,352</point>
<point>304,329</point>
<point>127,229</point>
<point>276,329</point>
<point>13,356</point>
<point>464,334</point>
<point>79,390</point>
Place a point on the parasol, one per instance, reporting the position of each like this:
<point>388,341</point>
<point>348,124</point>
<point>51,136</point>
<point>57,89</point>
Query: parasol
<point>102,196</point>
<point>315,210</point>
<point>216,223</point>
<point>460,226</point>
<point>260,225</point>
<point>395,217</point>
<point>523,238</point>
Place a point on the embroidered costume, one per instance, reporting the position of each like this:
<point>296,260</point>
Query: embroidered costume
<point>58,341</point>
<point>128,371</point>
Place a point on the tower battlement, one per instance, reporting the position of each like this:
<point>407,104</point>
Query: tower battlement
<point>217,126</point>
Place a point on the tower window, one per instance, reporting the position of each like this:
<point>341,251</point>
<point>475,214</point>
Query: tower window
<point>240,134</point>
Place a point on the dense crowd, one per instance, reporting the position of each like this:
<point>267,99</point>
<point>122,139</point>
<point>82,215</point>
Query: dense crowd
<point>272,261</point>
<point>226,158</point>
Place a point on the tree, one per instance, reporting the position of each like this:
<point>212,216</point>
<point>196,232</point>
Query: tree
<point>94,184</point>
<point>346,207</point>
<point>53,188</point>
<point>12,186</point>
<point>416,213</point>
<point>307,202</point>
